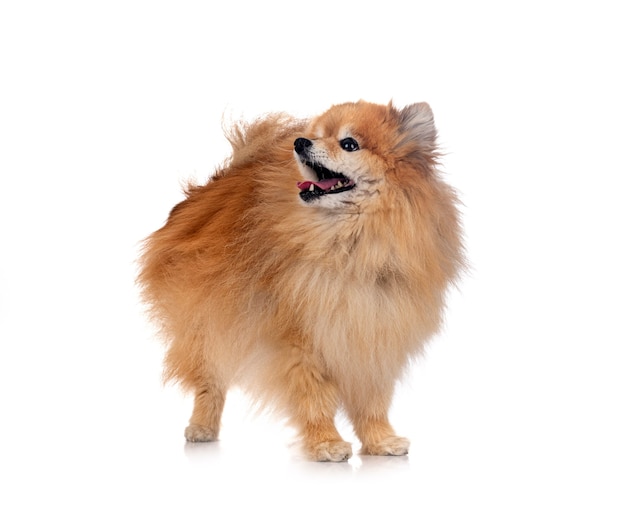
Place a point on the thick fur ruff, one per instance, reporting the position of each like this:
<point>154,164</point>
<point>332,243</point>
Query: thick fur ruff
<point>309,298</point>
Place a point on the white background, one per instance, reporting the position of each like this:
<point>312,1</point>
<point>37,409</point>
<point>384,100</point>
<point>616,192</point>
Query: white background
<point>107,107</point>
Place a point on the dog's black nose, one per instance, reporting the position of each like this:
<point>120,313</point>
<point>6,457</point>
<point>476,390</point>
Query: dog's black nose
<point>301,144</point>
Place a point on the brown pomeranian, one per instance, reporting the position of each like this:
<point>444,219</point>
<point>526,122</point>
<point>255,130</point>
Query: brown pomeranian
<point>308,271</point>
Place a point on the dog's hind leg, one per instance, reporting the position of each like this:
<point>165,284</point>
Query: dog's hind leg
<point>204,425</point>
<point>187,364</point>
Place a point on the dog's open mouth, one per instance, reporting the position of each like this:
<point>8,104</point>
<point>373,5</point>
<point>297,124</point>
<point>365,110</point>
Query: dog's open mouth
<point>329,182</point>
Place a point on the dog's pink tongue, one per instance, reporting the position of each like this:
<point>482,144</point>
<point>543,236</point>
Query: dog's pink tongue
<point>324,184</point>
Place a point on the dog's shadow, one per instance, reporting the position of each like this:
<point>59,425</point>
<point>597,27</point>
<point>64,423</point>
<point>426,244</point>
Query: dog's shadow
<point>200,451</point>
<point>361,464</point>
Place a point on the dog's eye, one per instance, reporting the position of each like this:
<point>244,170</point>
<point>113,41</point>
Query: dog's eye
<point>349,144</point>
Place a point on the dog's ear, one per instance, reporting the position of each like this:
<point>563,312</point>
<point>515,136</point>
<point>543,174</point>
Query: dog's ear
<point>417,124</point>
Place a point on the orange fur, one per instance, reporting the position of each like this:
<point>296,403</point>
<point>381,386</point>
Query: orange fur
<point>308,305</point>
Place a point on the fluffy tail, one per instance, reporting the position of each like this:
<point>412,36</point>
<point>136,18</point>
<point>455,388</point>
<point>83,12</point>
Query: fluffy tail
<point>257,139</point>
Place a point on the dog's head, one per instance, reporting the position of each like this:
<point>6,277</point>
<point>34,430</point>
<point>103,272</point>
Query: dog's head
<point>354,152</point>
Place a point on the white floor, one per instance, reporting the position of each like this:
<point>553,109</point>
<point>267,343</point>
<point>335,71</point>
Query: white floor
<point>519,404</point>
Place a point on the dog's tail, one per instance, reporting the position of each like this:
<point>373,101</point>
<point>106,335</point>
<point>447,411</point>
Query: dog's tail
<point>256,140</point>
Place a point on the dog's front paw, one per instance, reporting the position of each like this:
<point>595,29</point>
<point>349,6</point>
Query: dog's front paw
<point>199,433</point>
<point>331,451</point>
<point>391,446</point>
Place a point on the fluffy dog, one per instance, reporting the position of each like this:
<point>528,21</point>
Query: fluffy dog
<point>309,270</point>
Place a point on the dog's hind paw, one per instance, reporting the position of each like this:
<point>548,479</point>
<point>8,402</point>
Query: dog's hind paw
<point>199,433</point>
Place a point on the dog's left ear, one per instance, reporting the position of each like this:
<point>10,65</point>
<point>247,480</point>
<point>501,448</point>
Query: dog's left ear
<point>417,124</point>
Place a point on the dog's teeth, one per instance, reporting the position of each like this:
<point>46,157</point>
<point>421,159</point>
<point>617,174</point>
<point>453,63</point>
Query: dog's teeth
<point>312,188</point>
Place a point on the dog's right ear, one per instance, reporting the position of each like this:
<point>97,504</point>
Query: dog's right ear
<point>417,124</point>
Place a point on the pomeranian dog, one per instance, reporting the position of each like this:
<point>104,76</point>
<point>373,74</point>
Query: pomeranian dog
<point>308,271</point>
